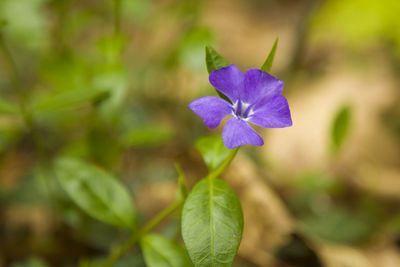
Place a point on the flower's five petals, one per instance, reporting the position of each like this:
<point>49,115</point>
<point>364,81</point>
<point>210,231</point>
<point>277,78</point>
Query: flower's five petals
<point>229,81</point>
<point>256,98</point>
<point>261,85</point>
<point>237,132</point>
<point>211,109</point>
<point>273,114</point>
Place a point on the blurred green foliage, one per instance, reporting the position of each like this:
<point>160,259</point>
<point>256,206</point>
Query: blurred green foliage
<point>74,95</point>
<point>26,23</point>
<point>321,203</point>
<point>359,23</point>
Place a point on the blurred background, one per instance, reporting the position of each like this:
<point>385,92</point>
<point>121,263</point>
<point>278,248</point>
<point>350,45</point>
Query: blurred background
<point>109,81</point>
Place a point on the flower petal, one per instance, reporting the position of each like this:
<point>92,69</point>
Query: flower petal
<point>274,114</point>
<point>211,109</point>
<point>229,81</point>
<point>260,85</point>
<point>237,132</point>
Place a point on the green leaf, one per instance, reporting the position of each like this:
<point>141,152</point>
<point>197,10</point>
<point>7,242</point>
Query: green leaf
<point>214,60</point>
<point>147,135</point>
<point>96,192</point>
<point>159,252</point>
<point>212,223</point>
<point>213,150</point>
<point>340,128</point>
<point>270,59</point>
<point>8,108</point>
<point>65,99</point>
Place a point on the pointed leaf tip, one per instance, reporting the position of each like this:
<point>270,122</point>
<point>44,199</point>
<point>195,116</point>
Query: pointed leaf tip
<point>214,60</point>
<point>270,59</point>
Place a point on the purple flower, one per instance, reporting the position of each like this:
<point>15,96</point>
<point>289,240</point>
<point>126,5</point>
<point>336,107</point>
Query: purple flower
<point>256,97</point>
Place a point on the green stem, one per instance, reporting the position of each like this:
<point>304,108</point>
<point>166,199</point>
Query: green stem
<point>222,167</point>
<point>143,231</point>
<point>161,216</point>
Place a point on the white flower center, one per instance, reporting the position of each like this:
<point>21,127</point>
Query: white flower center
<point>242,110</point>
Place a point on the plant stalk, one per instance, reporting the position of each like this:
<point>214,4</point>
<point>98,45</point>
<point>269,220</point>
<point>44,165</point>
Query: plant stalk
<point>222,167</point>
<point>143,231</point>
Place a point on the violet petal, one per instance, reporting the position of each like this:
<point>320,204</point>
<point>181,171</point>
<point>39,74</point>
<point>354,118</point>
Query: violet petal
<point>211,109</point>
<point>261,85</point>
<point>237,132</point>
<point>229,81</point>
<point>274,114</point>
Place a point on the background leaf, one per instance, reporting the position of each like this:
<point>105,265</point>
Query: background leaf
<point>340,128</point>
<point>159,251</point>
<point>96,192</point>
<point>270,59</point>
<point>212,149</point>
<point>66,99</point>
<point>147,135</point>
<point>212,223</point>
